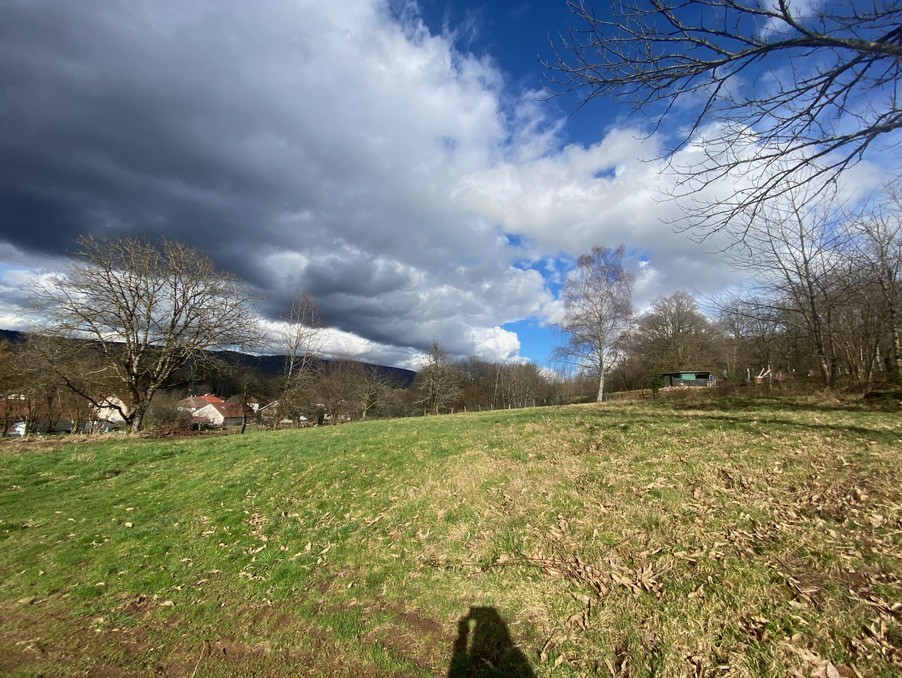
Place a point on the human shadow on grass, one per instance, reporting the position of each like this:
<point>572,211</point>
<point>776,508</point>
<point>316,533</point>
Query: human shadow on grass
<point>484,647</point>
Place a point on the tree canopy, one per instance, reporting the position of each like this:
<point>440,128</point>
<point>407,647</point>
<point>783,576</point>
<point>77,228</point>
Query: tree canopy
<point>146,310</point>
<point>597,299</point>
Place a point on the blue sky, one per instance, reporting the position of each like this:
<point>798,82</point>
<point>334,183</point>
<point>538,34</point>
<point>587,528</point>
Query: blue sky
<point>397,160</point>
<point>518,37</point>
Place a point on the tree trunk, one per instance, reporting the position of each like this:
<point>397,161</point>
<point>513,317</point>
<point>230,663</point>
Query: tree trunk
<point>896,348</point>
<point>600,397</point>
<point>135,420</point>
<point>826,372</point>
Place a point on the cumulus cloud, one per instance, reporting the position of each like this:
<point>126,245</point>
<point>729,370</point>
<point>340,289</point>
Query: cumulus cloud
<point>799,10</point>
<point>338,148</point>
<point>611,192</point>
<point>303,145</point>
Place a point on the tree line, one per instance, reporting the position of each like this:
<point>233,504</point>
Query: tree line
<point>822,301</point>
<point>130,317</point>
<point>131,326</point>
<point>774,103</point>
<point>309,390</point>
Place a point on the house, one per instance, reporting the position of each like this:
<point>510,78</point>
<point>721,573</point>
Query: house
<point>108,417</point>
<point>219,414</point>
<point>688,378</point>
<point>21,415</point>
<point>194,403</point>
<point>271,410</point>
<point>14,410</point>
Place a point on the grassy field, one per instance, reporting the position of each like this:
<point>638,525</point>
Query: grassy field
<point>675,537</point>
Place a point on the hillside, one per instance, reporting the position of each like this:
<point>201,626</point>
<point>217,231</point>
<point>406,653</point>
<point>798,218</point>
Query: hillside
<point>675,537</point>
<point>267,365</point>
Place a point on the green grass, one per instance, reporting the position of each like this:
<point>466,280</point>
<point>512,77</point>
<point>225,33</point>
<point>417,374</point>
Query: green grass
<point>674,537</point>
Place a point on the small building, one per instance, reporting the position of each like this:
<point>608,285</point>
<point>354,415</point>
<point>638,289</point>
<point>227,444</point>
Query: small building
<point>688,378</point>
<point>219,414</point>
<point>108,416</point>
<point>194,403</point>
<point>272,410</point>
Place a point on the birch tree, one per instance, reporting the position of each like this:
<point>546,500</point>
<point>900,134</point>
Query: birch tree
<point>597,298</point>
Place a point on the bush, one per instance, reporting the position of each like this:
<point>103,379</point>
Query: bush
<point>165,416</point>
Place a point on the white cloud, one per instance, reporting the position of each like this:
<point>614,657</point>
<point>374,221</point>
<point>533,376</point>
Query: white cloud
<point>16,285</point>
<point>496,344</point>
<point>328,147</point>
<point>611,192</point>
<point>798,9</point>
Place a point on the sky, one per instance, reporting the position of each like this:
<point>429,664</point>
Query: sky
<point>399,161</point>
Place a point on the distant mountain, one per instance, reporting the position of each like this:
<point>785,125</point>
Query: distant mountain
<point>269,365</point>
<point>272,365</point>
<point>12,336</point>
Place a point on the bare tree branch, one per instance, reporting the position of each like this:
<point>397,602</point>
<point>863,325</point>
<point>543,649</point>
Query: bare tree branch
<point>597,309</point>
<point>797,93</point>
<point>147,311</point>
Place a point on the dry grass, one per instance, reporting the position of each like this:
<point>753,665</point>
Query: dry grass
<point>740,537</point>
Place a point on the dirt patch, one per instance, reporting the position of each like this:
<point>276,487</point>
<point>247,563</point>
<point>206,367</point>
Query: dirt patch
<point>414,638</point>
<point>137,607</point>
<point>12,658</point>
<point>421,624</point>
<point>227,648</point>
<point>106,671</point>
<point>230,658</point>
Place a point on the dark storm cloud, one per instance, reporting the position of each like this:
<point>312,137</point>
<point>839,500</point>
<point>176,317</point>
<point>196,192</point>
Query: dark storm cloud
<point>328,147</point>
<point>301,146</point>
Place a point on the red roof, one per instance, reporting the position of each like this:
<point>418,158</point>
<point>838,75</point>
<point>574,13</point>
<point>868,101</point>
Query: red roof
<point>196,402</point>
<point>227,410</point>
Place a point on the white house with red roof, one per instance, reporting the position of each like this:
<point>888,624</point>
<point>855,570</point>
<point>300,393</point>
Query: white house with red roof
<point>219,414</point>
<point>194,403</point>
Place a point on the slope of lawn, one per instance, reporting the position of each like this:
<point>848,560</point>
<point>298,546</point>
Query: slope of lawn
<point>677,537</point>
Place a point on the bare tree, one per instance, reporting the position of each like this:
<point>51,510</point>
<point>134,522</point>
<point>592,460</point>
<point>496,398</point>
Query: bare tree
<point>754,337</point>
<point>519,384</point>
<point>797,92</point>
<point>877,238</point>
<point>597,309</point>
<point>11,383</point>
<point>479,382</point>
<point>859,324</point>
<point>339,389</point>
<point>146,310</point>
<point>675,335</point>
<point>437,383</point>
<point>301,338</point>
<point>376,385</point>
<point>795,248</point>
